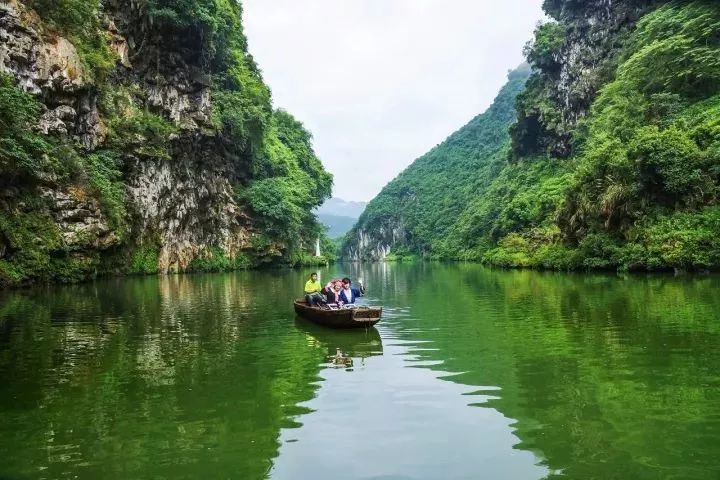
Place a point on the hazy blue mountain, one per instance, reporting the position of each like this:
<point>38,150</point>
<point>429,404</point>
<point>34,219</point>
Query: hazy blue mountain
<point>337,226</point>
<point>339,215</point>
<point>341,208</point>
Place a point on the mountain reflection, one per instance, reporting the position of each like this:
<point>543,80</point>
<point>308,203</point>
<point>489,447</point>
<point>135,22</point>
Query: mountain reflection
<point>151,376</point>
<point>471,373</point>
<point>605,376</point>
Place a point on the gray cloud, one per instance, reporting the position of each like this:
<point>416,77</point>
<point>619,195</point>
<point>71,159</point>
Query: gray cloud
<point>380,82</point>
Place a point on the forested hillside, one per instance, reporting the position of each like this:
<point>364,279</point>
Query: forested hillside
<point>139,137</point>
<point>614,161</point>
<point>415,211</point>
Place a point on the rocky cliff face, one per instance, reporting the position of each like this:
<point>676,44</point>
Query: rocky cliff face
<point>573,58</point>
<point>188,201</point>
<point>375,244</point>
<point>613,159</point>
<point>140,159</point>
<point>51,69</point>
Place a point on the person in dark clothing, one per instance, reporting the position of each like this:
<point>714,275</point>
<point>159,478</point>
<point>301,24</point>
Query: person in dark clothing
<point>333,293</point>
<point>348,294</point>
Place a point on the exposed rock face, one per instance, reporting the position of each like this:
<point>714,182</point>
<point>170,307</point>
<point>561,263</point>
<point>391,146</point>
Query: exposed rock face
<point>591,37</point>
<point>80,220</point>
<point>40,65</point>
<point>184,203</point>
<point>49,67</point>
<point>186,104</point>
<point>585,62</point>
<point>188,200</point>
<point>375,244</point>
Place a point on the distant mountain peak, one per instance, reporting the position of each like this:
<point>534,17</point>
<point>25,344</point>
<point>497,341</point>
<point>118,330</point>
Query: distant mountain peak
<point>341,208</point>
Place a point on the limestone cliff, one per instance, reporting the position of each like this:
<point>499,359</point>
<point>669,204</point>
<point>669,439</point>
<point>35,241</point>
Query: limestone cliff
<point>147,143</point>
<point>376,243</point>
<point>612,161</point>
<point>573,57</point>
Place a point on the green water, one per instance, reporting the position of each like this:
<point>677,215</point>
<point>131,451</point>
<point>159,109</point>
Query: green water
<point>472,373</point>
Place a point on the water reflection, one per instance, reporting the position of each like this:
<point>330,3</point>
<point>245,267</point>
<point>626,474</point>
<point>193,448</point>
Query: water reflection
<point>151,377</point>
<point>360,343</point>
<point>472,373</point>
<point>388,421</point>
<point>606,377</point>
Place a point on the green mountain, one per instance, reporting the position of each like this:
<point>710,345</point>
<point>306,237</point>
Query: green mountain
<point>140,137</point>
<point>614,158</point>
<point>416,210</point>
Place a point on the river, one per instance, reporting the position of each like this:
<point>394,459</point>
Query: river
<point>473,373</point>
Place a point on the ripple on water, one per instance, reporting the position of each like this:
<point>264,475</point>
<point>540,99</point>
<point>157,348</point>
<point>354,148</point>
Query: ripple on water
<point>471,372</point>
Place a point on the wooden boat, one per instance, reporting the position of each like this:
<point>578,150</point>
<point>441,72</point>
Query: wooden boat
<point>359,317</point>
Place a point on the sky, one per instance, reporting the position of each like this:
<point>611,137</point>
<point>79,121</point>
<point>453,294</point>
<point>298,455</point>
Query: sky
<point>380,82</point>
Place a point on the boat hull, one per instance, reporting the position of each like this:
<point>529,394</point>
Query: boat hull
<point>361,317</point>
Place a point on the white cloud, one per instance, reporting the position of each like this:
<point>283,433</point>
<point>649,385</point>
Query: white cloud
<point>380,82</point>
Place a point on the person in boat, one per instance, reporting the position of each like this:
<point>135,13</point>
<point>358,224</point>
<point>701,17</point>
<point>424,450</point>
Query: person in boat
<point>348,294</point>
<point>328,290</point>
<point>333,294</point>
<point>313,297</point>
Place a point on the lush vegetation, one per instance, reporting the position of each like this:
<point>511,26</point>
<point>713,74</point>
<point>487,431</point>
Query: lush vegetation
<point>23,152</point>
<point>288,181</point>
<point>427,198</point>
<point>80,22</point>
<point>279,179</point>
<point>640,190</point>
<point>32,247</point>
<point>641,193</point>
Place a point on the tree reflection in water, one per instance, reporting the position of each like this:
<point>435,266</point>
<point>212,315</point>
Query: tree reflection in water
<point>151,376</point>
<point>606,376</point>
<point>598,376</point>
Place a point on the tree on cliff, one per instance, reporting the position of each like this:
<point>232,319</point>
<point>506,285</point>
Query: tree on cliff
<point>140,137</point>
